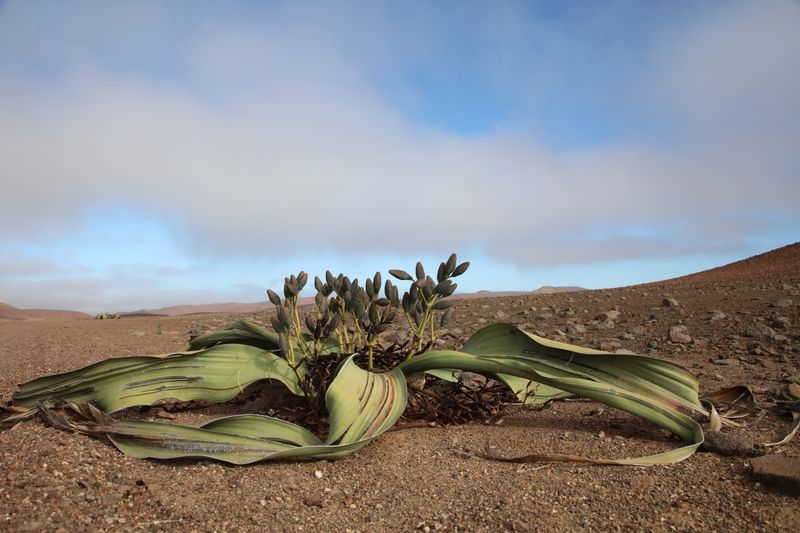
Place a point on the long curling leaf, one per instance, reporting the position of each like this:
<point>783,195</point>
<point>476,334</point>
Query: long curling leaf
<point>647,375</point>
<point>238,332</point>
<point>530,392</point>
<point>380,399</point>
<point>649,388</point>
<point>215,374</point>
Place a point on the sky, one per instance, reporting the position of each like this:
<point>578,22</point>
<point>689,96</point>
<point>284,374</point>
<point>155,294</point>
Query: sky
<point>160,153</point>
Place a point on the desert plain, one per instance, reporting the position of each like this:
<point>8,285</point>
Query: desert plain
<point>738,324</point>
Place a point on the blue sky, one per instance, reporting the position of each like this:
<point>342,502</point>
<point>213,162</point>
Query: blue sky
<point>157,153</point>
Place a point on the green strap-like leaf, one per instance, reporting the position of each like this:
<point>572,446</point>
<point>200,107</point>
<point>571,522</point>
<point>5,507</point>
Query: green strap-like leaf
<point>530,392</point>
<point>646,387</point>
<point>263,427</point>
<point>215,374</point>
<point>239,332</point>
<point>363,404</point>
<point>445,374</point>
<point>659,378</point>
<point>380,399</point>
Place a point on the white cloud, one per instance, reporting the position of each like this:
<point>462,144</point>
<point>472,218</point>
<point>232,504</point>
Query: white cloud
<point>280,140</point>
<point>113,293</point>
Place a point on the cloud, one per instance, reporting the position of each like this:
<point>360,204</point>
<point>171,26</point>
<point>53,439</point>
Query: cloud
<point>278,136</point>
<point>12,266</point>
<point>95,294</point>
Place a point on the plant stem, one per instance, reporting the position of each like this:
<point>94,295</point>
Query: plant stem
<point>358,333</point>
<point>424,322</point>
<point>297,327</point>
<point>343,315</point>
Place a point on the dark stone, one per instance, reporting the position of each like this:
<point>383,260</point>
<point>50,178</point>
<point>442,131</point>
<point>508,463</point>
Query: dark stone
<point>779,472</point>
<point>731,445</point>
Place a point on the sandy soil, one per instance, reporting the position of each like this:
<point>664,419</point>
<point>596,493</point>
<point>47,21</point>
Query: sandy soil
<point>419,478</point>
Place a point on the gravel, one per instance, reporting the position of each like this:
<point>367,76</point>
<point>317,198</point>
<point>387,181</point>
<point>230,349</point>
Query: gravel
<point>428,479</point>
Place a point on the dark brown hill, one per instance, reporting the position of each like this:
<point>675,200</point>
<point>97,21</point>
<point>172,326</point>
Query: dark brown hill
<point>9,312</point>
<point>779,262</point>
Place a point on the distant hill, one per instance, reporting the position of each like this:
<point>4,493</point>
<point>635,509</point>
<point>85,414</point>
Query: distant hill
<point>547,289</point>
<point>191,309</point>
<point>485,294</point>
<point>238,307</point>
<point>9,312</point>
<point>785,260</point>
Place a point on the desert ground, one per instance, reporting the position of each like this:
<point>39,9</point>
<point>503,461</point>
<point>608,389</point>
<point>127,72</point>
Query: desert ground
<point>741,325</point>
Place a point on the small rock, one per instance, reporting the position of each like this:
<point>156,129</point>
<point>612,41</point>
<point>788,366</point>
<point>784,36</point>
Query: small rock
<point>759,330</point>
<point>670,302</point>
<point>608,315</point>
<point>314,501</point>
<point>318,474</point>
<point>717,316</point>
<point>500,315</point>
<point>679,334</point>
<point>609,346</point>
<point>726,362</point>
<point>639,331</point>
<point>576,329</point>
<point>794,390</point>
<point>781,322</point>
<point>784,302</point>
<point>164,414</point>
<point>731,445</point>
<point>196,330</point>
<point>778,471</point>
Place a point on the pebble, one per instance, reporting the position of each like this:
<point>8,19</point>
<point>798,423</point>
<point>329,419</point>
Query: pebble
<point>758,330</point>
<point>576,329</point>
<point>314,501</point>
<point>679,333</point>
<point>670,302</point>
<point>778,471</point>
<point>781,322</point>
<point>608,315</point>
<point>718,315</point>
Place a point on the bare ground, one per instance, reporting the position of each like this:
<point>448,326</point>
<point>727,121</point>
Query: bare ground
<point>421,478</point>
